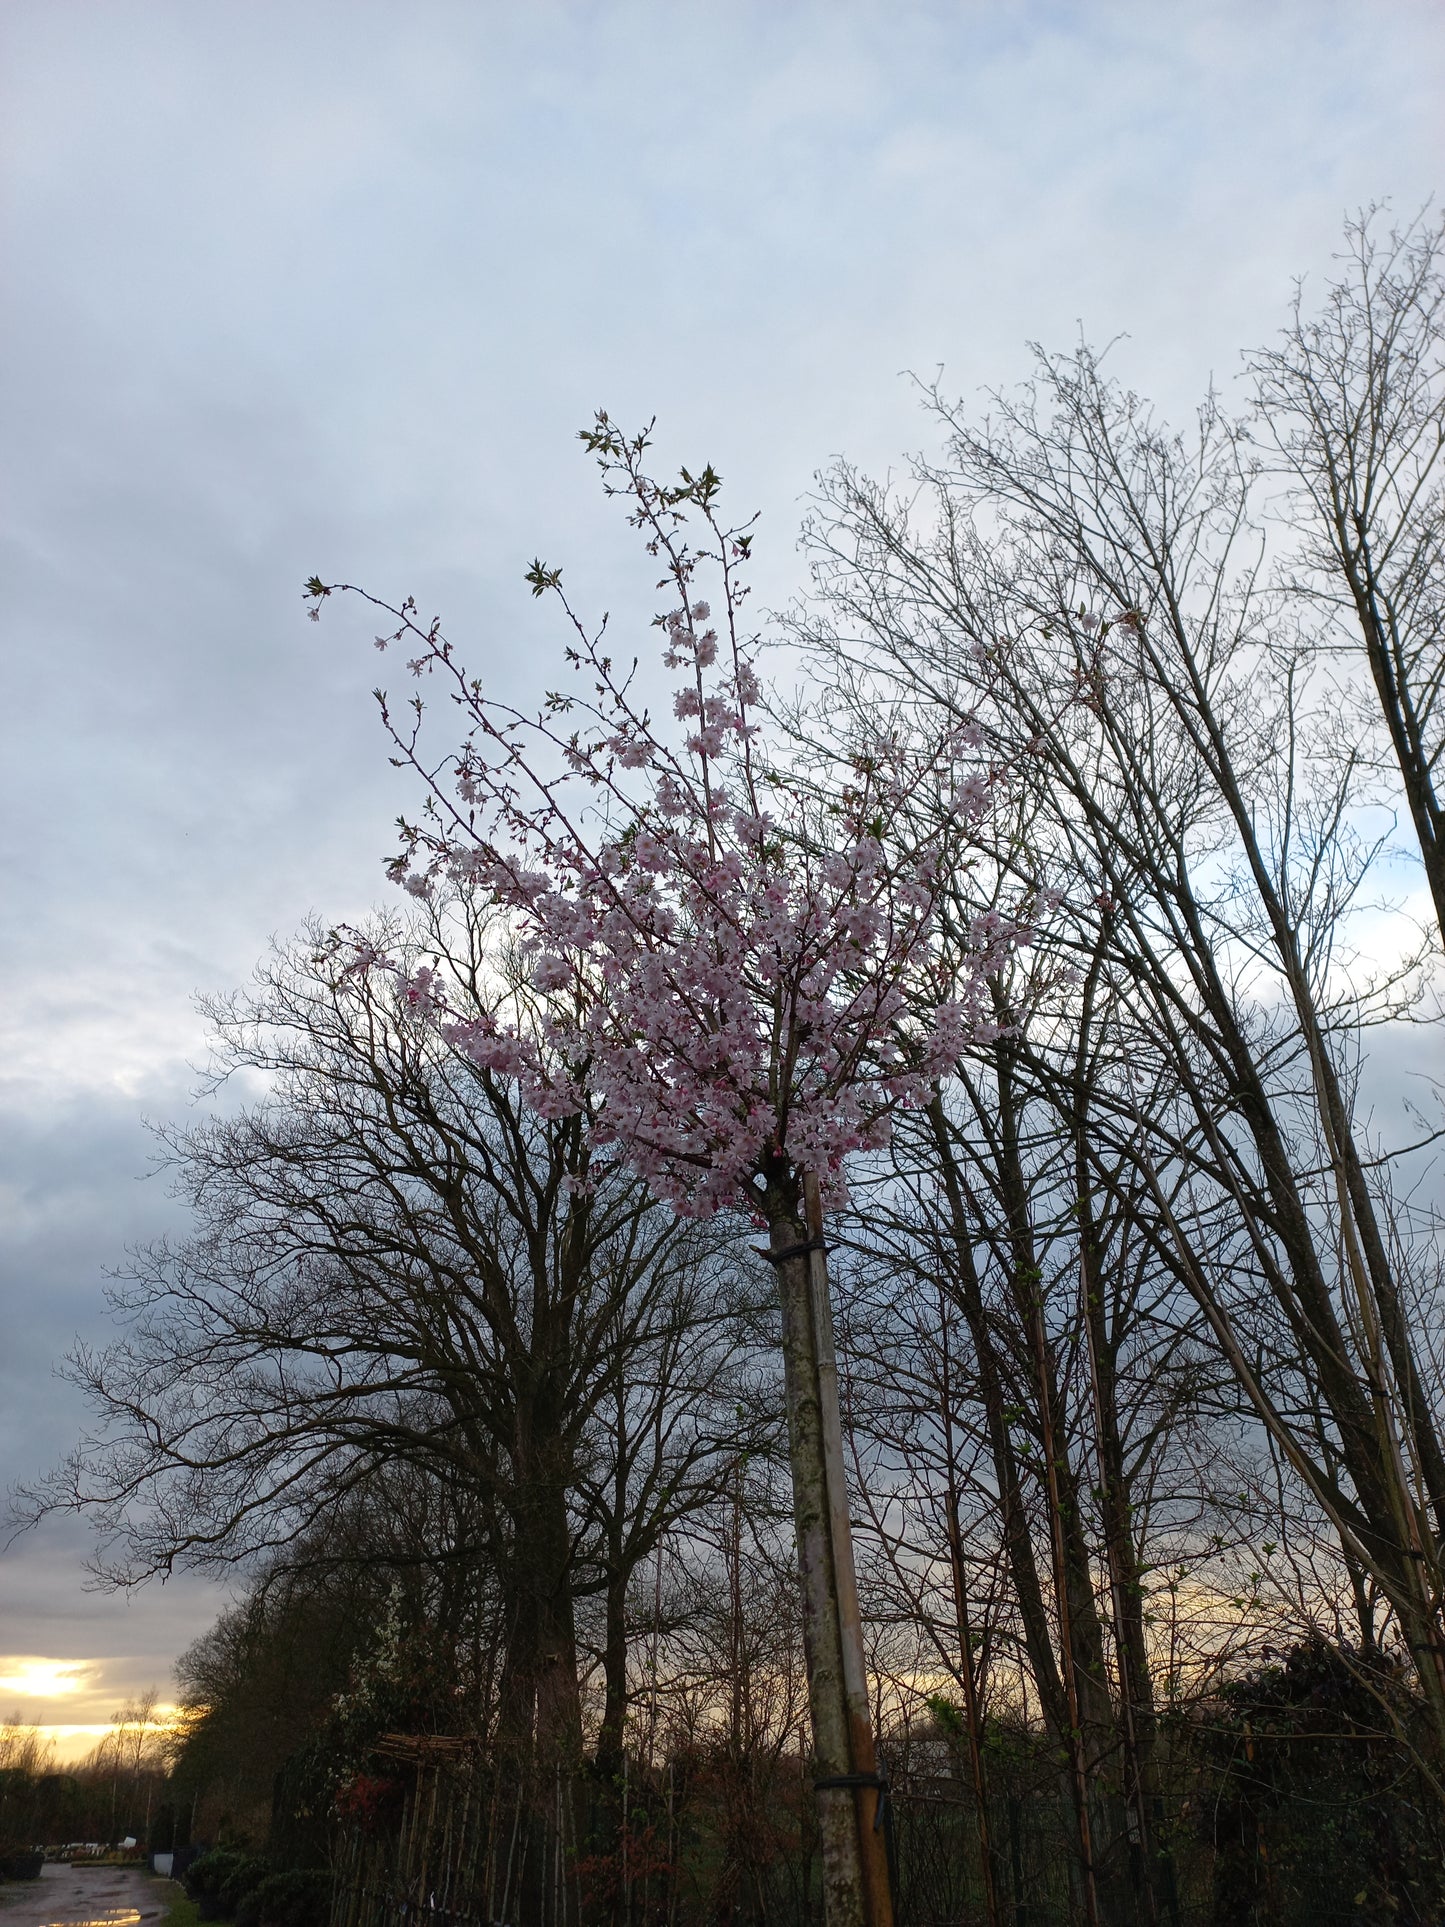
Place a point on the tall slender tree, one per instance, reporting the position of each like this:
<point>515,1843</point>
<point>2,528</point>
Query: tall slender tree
<point>1215,845</point>
<point>745,981</point>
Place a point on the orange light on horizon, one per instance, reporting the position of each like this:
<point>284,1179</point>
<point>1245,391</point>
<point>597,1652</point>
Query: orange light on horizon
<point>36,1678</point>
<point>75,1740</point>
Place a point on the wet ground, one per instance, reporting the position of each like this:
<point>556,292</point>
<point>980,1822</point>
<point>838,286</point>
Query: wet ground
<point>87,1897</point>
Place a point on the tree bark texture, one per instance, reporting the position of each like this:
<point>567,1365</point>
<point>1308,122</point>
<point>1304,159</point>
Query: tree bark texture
<point>853,1848</point>
<point>541,1710</point>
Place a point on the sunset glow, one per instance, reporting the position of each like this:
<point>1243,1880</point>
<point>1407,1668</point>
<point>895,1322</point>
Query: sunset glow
<point>43,1678</point>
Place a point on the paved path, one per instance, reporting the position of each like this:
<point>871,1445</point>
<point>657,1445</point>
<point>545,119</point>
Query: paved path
<point>87,1897</point>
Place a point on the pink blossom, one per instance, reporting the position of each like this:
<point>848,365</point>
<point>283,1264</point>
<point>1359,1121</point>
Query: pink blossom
<point>551,973</point>
<point>751,989</point>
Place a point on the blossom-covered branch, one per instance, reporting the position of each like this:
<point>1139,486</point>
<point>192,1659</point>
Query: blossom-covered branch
<point>741,967</point>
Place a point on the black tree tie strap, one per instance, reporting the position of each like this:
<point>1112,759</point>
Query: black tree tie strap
<point>792,1251</point>
<point>851,1781</point>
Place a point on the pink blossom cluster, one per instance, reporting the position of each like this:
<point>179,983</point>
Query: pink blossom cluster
<point>735,940</point>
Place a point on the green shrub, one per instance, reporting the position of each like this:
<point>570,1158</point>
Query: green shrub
<point>206,1877</point>
<point>243,1878</point>
<point>298,1898</point>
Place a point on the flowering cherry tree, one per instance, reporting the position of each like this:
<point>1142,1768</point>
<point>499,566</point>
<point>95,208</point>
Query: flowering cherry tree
<point>741,972</point>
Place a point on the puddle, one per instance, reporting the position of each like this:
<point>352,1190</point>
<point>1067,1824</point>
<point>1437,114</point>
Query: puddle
<point>112,1917</point>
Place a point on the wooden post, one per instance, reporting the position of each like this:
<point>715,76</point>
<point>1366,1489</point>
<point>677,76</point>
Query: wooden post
<point>856,1891</point>
<point>868,1800</point>
<point>852,1843</point>
<point>843,1900</point>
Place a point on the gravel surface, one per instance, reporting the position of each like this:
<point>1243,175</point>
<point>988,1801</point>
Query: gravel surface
<point>87,1897</point>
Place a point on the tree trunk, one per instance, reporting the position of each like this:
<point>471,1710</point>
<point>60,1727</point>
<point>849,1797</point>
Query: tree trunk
<point>1018,1541</point>
<point>540,1716</point>
<point>1136,1698</point>
<point>610,1735</point>
<point>972,1703</point>
<point>1064,1592</point>
<point>855,1868</point>
<point>1081,1644</point>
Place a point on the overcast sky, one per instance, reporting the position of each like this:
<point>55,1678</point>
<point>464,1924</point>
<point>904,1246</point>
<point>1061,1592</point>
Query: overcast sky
<point>307,287</point>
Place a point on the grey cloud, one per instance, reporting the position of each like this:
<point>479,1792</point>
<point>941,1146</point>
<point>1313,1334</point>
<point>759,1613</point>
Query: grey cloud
<point>329,286</point>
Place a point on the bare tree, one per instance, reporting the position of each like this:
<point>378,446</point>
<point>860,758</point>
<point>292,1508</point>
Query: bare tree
<point>1352,400</point>
<point>396,1265</point>
<point>1211,845</point>
<point>1034,1406</point>
<point>668,1433</point>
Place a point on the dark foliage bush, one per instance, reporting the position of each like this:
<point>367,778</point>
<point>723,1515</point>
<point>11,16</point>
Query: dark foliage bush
<point>299,1898</point>
<point>243,1879</point>
<point>205,1879</point>
<point>21,1864</point>
<point>1314,1807</point>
